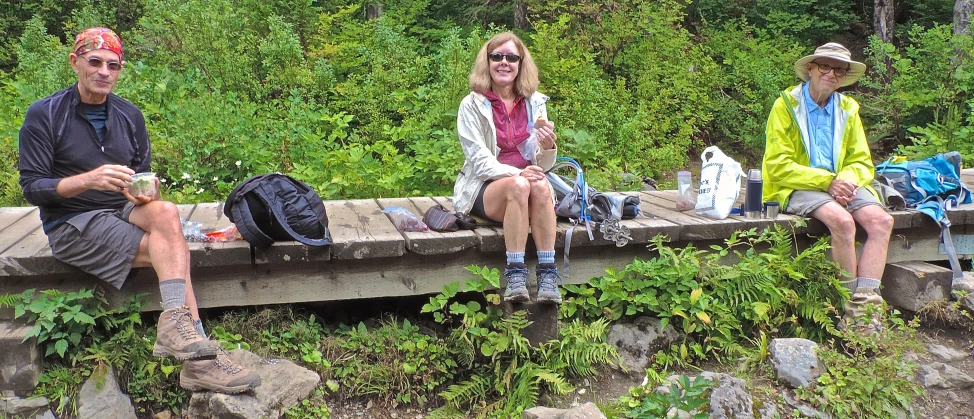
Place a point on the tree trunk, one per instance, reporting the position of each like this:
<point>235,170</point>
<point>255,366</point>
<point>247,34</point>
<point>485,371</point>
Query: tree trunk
<point>373,11</point>
<point>883,22</point>
<point>520,14</point>
<point>962,16</point>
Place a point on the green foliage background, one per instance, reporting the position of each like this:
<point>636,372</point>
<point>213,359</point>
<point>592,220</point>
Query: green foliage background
<point>363,107</point>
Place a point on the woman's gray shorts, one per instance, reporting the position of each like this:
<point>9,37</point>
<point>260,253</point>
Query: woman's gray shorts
<point>804,202</point>
<point>101,242</point>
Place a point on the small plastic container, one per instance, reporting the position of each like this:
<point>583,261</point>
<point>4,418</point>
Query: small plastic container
<point>688,196</point>
<point>143,184</point>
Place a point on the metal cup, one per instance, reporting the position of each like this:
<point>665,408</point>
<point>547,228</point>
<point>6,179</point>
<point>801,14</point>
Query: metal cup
<point>771,209</point>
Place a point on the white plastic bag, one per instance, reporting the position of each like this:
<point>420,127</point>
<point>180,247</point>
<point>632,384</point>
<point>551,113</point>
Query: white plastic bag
<point>720,183</point>
<point>529,147</point>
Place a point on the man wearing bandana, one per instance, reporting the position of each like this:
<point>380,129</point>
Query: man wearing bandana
<point>78,151</point>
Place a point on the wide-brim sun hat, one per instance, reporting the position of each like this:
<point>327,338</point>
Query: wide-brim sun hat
<point>837,52</point>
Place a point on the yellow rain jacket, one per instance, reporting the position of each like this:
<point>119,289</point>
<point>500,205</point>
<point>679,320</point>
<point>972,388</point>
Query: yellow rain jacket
<point>786,167</point>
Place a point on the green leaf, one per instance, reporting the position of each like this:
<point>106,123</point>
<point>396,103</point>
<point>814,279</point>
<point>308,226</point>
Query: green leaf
<point>61,346</point>
<point>84,318</point>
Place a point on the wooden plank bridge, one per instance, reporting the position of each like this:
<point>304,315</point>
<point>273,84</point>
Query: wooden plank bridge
<point>370,258</point>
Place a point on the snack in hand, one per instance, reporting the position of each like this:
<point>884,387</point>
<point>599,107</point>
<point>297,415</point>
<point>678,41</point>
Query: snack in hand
<point>540,122</point>
<point>143,184</point>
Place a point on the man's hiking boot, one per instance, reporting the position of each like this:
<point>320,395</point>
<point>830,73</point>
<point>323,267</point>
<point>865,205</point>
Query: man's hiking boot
<point>176,336</point>
<point>517,278</point>
<point>855,313</point>
<point>218,374</point>
<point>548,280</point>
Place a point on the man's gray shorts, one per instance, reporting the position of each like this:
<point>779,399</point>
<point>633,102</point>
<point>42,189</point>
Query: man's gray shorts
<point>101,242</point>
<point>805,202</point>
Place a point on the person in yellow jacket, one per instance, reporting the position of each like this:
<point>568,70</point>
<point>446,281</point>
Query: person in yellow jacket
<point>817,163</point>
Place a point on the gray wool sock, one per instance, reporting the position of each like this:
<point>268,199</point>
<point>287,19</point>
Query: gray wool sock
<point>199,328</point>
<point>173,293</point>
<point>850,284</point>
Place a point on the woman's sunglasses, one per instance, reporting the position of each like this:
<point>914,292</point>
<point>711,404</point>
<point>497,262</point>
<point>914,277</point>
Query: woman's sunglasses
<point>113,66</point>
<point>511,57</point>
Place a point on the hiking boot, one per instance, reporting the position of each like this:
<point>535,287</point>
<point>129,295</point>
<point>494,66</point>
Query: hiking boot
<point>517,278</point>
<point>176,336</point>
<point>548,280</point>
<point>217,374</point>
<point>855,313</point>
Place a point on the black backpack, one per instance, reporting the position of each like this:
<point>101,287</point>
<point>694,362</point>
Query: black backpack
<point>275,207</point>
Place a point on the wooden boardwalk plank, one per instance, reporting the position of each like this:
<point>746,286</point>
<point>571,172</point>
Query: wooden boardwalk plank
<point>28,252</point>
<point>10,215</point>
<point>361,231</point>
<point>430,242</point>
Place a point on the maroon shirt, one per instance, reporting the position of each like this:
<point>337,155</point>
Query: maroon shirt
<point>512,129</point>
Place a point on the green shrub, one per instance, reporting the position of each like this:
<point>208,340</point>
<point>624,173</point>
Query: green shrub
<point>922,103</point>
<point>719,307</point>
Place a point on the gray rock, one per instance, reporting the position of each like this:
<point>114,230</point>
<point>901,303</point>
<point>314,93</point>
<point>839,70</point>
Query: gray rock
<point>638,341</point>
<point>947,354</point>
<point>939,375</point>
<point>586,411</point>
<point>805,410</point>
<point>795,361</point>
<point>101,398</point>
<point>910,285</point>
<point>283,384</point>
<point>769,411</point>
<point>955,378</point>
<point>32,408</point>
<point>728,397</point>
<point>966,284</point>
<point>20,365</point>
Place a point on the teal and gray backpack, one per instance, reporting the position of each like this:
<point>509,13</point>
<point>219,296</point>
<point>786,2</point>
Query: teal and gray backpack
<point>931,186</point>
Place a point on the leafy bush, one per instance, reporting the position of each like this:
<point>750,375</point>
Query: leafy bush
<point>868,373</point>
<point>502,373</point>
<point>922,102</point>
<point>720,306</point>
<point>683,395</point>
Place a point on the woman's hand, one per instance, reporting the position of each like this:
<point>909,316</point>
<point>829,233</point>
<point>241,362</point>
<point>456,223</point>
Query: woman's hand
<point>546,135</point>
<point>533,173</point>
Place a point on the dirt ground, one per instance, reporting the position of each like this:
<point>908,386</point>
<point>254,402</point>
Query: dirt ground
<point>611,384</point>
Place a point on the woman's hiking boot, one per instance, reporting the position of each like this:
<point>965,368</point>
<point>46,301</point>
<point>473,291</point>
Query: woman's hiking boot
<point>176,336</point>
<point>548,280</point>
<point>217,374</point>
<point>517,278</point>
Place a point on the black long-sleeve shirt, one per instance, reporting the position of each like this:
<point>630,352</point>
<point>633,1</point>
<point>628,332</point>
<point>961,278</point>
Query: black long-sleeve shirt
<point>57,141</point>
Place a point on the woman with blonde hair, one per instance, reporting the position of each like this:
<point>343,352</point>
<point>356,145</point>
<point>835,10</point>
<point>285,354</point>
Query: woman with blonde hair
<point>508,145</point>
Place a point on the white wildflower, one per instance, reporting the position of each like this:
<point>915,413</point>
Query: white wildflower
<point>215,178</point>
<point>237,163</point>
<point>186,176</point>
<point>199,191</point>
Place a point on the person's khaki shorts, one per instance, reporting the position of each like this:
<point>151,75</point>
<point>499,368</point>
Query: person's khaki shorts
<point>101,242</point>
<point>805,202</point>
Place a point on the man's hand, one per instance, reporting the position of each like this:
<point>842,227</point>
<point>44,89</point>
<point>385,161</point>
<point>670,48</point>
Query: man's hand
<point>843,191</point>
<point>110,177</point>
<point>533,173</point>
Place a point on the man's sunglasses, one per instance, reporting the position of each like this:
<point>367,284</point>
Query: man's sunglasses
<point>511,57</point>
<point>113,66</point>
<point>825,68</point>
